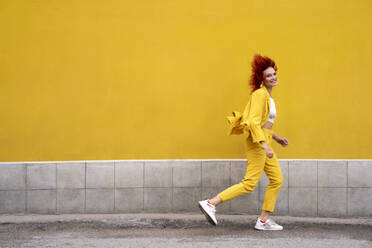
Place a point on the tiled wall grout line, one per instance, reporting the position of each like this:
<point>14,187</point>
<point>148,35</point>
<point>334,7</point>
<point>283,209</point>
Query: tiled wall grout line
<point>114,186</point>
<point>26,187</point>
<point>143,186</point>
<point>85,186</point>
<point>172,190</point>
<point>201,175</point>
<point>56,169</point>
<point>200,185</point>
<point>317,188</point>
<point>289,163</point>
<point>287,188</point>
<point>347,188</point>
<point>201,180</point>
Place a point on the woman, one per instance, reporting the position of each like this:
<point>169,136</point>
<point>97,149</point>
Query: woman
<point>257,121</point>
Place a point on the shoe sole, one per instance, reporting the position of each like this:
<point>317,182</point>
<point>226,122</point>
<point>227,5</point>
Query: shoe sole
<point>263,229</point>
<point>209,219</point>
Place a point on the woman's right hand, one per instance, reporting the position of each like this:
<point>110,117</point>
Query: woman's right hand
<point>269,152</point>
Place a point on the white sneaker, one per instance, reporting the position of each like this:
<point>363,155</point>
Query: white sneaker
<point>209,210</point>
<point>268,225</point>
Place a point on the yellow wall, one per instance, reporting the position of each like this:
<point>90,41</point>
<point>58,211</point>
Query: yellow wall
<point>84,79</point>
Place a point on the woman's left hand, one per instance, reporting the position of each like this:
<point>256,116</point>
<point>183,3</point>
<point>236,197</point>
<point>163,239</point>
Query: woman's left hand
<point>283,141</point>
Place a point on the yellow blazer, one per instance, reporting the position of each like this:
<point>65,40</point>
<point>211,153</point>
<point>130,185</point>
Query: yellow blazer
<point>255,115</point>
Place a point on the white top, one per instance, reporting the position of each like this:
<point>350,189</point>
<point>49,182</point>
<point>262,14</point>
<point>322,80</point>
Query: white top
<point>272,113</point>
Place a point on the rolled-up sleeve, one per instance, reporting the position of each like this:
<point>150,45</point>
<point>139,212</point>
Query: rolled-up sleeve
<point>235,126</point>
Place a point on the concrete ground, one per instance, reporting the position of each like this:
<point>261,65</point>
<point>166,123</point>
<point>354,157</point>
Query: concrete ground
<point>179,230</point>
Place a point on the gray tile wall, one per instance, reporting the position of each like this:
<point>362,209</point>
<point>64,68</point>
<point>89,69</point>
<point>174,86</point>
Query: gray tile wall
<point>327,188</point>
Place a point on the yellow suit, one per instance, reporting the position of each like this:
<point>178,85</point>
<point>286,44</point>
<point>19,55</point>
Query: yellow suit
<point>255,115</point>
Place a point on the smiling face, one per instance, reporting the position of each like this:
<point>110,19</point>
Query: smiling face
<point>270,77</point>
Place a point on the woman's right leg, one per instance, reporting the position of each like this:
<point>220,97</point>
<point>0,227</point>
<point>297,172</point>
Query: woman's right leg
<point>255,165</point>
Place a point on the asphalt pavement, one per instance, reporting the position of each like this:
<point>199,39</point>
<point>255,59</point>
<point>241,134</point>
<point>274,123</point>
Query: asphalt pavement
<point>179,230</point>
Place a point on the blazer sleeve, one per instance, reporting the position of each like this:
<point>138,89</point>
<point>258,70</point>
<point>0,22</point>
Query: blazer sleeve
<point>234,121</point>
<point>254,117</point>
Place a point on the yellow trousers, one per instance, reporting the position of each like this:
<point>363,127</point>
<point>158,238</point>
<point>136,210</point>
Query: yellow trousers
<point>258,162</point>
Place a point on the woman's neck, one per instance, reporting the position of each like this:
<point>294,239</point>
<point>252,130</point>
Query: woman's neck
<point>269,89</point>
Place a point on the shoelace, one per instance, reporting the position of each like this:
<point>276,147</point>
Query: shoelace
<point>213,209</point>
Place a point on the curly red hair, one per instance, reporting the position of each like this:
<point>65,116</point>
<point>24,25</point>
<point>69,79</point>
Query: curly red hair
<point>259,64</point>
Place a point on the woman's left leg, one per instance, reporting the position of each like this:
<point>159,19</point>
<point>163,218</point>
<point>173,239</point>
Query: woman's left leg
<point>274,173</point>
